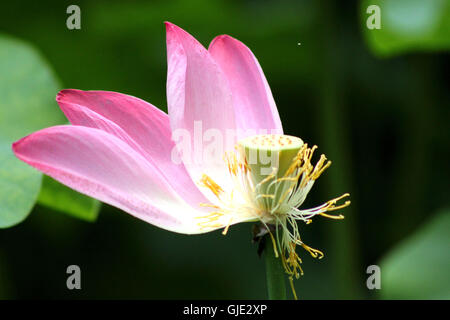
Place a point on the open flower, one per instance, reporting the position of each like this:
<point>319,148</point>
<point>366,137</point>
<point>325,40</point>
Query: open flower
<point>122,150</point>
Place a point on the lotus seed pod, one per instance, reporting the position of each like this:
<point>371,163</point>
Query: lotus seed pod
<point>268,158</point>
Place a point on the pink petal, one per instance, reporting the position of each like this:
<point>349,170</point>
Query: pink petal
<point>252,98</point>
<point>197,91</point>
<point>138,123</point>
<point>103,166</point>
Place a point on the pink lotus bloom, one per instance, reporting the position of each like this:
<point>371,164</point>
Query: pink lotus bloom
<point>120,149</point>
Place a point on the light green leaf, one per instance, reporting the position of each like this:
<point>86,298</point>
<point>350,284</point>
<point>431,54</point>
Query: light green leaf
<point>27,104</point>
<point>19,187</point>
<point>408,25</point>
<point>419,267</point>
<point>61,198</point>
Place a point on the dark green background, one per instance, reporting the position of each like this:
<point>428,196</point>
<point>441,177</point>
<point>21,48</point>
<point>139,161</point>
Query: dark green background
<point>382,121</point>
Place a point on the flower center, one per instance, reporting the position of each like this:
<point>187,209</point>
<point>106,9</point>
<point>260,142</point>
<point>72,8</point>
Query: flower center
<point>272,176</point>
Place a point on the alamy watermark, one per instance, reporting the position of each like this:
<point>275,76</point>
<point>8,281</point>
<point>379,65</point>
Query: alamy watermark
<point>374,280</point>
<point>74,20</point>
<point>200,147</point>
<point>374,20</point>
<point>74,279</point>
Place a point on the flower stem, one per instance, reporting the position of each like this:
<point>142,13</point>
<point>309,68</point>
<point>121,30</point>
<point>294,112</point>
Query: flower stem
<point>275,275</point>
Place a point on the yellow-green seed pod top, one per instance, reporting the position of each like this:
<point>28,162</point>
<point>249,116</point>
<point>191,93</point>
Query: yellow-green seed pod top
<point>268,158</point>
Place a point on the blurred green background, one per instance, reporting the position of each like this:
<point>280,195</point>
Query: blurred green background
<point>376,102</point>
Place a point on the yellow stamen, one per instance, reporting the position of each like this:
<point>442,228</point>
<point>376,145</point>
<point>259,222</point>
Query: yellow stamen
<point>271,196</point>
<point>320,167</point>
<point>274,244</point>
<point>211,185</point>
<point>266,179</point>
<point>291,282</point>
<point>339,217</point>
<point>331,205</point>
<point>224,232</point>
<point>210,221</point>
<point>314,252</point>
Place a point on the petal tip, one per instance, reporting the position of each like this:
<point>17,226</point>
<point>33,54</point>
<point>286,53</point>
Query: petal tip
<point>225,39</point>
<point>17,147</point>
<point>222,37</point>
<point>170,27</point>
<point>216,40</point>
<point>64,93</point>
<point>60,95</point>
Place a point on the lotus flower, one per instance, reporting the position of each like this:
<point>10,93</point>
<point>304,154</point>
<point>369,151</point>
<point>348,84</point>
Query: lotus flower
<point>129,154</point>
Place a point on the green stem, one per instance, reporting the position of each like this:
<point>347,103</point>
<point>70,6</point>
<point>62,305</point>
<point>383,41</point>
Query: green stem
<point>275,275</point>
